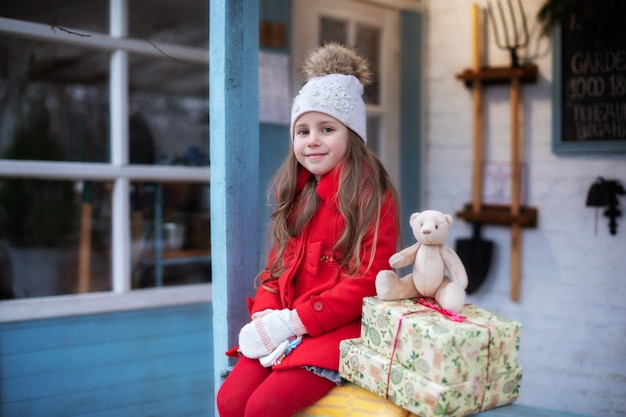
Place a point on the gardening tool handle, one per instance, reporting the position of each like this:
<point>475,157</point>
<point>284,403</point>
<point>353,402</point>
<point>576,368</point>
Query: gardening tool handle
<point>477,110</point>
<point>477,173</point>
<point>515,189</point>
<point>515,147</point>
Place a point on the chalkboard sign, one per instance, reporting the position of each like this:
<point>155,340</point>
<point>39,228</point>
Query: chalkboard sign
<point>592,87</point>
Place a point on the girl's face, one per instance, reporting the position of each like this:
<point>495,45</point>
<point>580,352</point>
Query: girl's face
<point>320,142</point>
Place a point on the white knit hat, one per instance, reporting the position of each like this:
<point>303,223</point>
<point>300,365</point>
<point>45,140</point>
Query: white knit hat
<point>335,78</point>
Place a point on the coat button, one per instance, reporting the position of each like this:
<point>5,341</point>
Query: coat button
<point>318,306</point>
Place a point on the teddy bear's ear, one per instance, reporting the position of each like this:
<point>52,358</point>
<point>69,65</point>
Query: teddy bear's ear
<point>414,216</point>
<point>448,219</point>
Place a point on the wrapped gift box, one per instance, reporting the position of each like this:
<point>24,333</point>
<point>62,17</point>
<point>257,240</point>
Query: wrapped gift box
<point>424,340</point>
<point>420,395</point>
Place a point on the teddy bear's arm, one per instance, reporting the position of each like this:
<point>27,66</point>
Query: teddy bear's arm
<point>454,265</point>
<point>405,257</point>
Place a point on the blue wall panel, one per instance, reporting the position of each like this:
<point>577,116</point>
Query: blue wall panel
<point>154,362</point>
<point>411,121</point>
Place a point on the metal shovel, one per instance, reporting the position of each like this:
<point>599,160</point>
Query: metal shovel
<point>476,252</point>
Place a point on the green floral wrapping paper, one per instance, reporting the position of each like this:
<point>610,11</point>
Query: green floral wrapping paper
<point>426,341</point>
<point>420,395</point>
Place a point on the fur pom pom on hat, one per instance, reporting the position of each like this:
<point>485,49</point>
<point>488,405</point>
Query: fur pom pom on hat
<point>335,77</point>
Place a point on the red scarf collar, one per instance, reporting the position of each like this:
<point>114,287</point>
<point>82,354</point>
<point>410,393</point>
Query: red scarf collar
<point>327,186</point>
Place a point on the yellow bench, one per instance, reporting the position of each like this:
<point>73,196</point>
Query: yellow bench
<point>350,400</point>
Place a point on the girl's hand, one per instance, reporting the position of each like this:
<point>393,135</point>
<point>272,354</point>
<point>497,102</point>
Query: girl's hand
<point>263,335</point>
<point>262,313</point>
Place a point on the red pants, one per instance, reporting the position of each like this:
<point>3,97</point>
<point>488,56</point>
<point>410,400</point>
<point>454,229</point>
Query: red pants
<point>254,391</point>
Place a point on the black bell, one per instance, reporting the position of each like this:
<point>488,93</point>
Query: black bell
<point>603,193</point>
<point>597,195</point>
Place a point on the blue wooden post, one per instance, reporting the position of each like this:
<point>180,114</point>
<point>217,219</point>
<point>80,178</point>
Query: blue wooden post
<point>410,126</point>
<point>234,147</point>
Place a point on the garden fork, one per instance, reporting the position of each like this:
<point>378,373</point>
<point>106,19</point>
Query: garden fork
<point>512,41</point>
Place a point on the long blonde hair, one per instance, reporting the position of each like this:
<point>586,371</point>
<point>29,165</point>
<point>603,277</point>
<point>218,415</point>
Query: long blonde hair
<point>363,183</point>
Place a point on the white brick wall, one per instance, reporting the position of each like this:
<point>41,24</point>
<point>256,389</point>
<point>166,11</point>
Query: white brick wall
<point>573,281</point>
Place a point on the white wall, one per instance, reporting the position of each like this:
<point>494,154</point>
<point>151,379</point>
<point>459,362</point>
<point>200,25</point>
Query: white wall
<point>573,280</point>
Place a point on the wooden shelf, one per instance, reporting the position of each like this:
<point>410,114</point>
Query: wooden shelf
<point>183,253</point>
<point>183,256</point>
<point>499,215</point>
<point>500,75</point>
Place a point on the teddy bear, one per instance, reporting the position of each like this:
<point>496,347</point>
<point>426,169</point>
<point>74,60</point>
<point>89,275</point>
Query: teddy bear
<point>430,258</point>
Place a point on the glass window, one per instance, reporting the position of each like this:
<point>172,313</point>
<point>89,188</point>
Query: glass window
<point>367,42</point>
<point>54,102</point>
<point>170,234</point>
<point>56,236</point>
<point>169,21</point>
<point>61,15</point>
<point>168,108</point>
<point>54,233</point>
<point>373,134</point>
<point>333,30</point>
<point>71,222</point>
<point>58,95</point>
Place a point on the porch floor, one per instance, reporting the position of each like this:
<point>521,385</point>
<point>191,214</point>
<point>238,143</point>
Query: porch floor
<point>517,410</point>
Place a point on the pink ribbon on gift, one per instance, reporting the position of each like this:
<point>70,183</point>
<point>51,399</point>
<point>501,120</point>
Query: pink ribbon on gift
<point>450,316</point>
<point>393,352</point>
<point>427,303</point>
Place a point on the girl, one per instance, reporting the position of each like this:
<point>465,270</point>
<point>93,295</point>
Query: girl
<point>334,226</point>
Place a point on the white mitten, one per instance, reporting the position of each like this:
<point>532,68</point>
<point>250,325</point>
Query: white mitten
<point>261,336</point>
<point>262,313</point>
<point>280,352</point>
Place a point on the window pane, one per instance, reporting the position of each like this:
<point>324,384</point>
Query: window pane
<point>169,123</point>
<point>333,30</point>
<point>61,14</point>
<point>55,237</point>
<point>368,45</point>
<point>373,134</point>
<point>169,21</point>
<point>55,106</point>
<point>53,102</point>
<point>168,102</point>
<point>170,234</point>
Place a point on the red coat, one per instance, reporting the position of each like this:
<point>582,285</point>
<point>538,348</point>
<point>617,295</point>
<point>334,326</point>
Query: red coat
<point>327,300</point>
